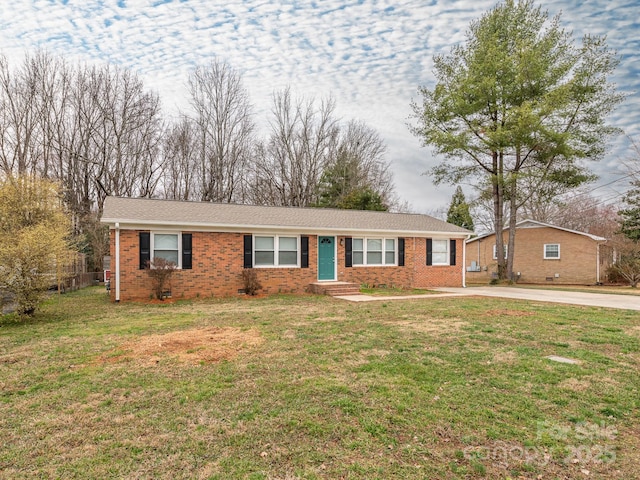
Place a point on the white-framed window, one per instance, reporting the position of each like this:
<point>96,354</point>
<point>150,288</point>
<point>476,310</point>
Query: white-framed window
<point>552,251</point>
<point>495,251</point>
<point>275,251</point>
<point>374,251</point>
<point>167,246</point>
<point>439,252</point>
<point>389,251</point>
<point>357,251</point>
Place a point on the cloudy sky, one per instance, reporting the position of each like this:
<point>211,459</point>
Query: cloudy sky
<point>371,55</point>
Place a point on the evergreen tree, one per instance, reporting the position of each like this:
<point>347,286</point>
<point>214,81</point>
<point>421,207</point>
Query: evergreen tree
<point>630,224</point>
<point>518,103</point>
<point>458,213</point>
<point>627,243</point>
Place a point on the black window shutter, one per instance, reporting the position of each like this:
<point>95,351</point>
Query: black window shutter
<point>248,251</point>
<point>348,255</point>
<point>145,249</point>
<point>304,252</point>
<point>429,251</point>
<point>187,252</point>
<point>401,252</point>
<point>452,252</point>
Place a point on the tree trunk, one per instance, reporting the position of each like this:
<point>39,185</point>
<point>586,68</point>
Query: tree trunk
<point>498,211</point>
<point>511,245</point>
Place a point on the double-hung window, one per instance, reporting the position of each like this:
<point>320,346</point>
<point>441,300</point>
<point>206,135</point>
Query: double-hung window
<point>495,251</point>
<point>171,246</point>
<point>552,251</point>
<point>167,246</point>
<point>440,252</point>
<point>275,251</point>
<point>373,251</point>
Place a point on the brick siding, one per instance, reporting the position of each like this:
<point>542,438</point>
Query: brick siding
<point>218,260</point>
<point>577,263</point>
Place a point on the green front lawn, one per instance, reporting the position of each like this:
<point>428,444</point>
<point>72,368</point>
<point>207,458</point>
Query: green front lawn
<point>312,387</point>
<point>394,292</point>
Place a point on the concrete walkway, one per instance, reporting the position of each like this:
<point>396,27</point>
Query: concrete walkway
<point>624,302</point>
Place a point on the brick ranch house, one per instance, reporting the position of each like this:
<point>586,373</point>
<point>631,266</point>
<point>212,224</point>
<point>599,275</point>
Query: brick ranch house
<point>544,254</point>
<point>290,249</point>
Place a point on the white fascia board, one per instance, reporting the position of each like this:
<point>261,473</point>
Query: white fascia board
<point>180,226</point>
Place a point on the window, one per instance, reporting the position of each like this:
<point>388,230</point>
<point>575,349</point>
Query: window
<point>357,250</point>
<point>440,252</point>
<point>373,251</point>
<point>165,245</point>
<point>275,251</point>
<point>552,251</point>
<point>288,251</point>
<point>264,251</point>
<point>390,251</point>
<point>495,255</point>
<point>173,247</point>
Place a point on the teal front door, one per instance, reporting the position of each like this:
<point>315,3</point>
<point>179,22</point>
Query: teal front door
<point>326,258</point>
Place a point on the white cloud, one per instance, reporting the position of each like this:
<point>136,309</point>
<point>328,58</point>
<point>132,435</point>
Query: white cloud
<point>371,55</point>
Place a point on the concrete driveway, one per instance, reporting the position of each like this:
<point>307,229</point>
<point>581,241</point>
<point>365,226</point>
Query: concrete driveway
<point>624,302</point>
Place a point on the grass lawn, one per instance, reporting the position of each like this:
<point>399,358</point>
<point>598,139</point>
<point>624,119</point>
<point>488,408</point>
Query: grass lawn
<point>394,292</point>
<point>312,387</point>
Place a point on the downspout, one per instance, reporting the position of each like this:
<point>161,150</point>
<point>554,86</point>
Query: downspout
<point>117,262</point>
<point>598,263</point>
<point>464,261</point>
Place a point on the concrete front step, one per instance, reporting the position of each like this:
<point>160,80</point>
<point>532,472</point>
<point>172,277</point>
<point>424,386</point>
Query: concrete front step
<point>335,289</point>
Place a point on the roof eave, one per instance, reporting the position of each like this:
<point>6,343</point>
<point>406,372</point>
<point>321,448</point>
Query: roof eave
<point>127,224</point>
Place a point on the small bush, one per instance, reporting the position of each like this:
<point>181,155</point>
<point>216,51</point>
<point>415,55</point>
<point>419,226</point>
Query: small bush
<point>250,281</point>
<point>613,275</point>
<point>160,271</point>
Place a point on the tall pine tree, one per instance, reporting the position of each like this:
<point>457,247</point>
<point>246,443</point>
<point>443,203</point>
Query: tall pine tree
<point>630,224</point>
<point>458,213</point>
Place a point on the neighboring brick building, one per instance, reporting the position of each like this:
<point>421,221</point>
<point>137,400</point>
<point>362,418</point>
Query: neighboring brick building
<point>543,254</point>
<point>289,248</point>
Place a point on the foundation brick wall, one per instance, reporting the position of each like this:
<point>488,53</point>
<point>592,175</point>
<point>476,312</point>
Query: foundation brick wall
<point>218,260</point>
<point>577,263</point>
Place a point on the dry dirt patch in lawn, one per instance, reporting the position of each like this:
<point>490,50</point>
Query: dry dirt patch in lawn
<point>634,331</point>
<point>207,345</point>
<point>510,357</point>
<point>575,384</point>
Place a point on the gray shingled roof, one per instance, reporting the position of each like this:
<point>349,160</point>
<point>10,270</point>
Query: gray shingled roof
<point>528,223</point>
<point>141,212</point>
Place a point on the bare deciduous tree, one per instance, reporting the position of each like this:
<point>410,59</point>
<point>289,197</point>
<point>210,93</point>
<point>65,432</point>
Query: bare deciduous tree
<point>181,173</point>
<point>303,140</point>
<point>223,120</point>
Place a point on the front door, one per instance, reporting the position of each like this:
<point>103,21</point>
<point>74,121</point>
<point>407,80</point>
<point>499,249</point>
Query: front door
<point>326,258</point>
